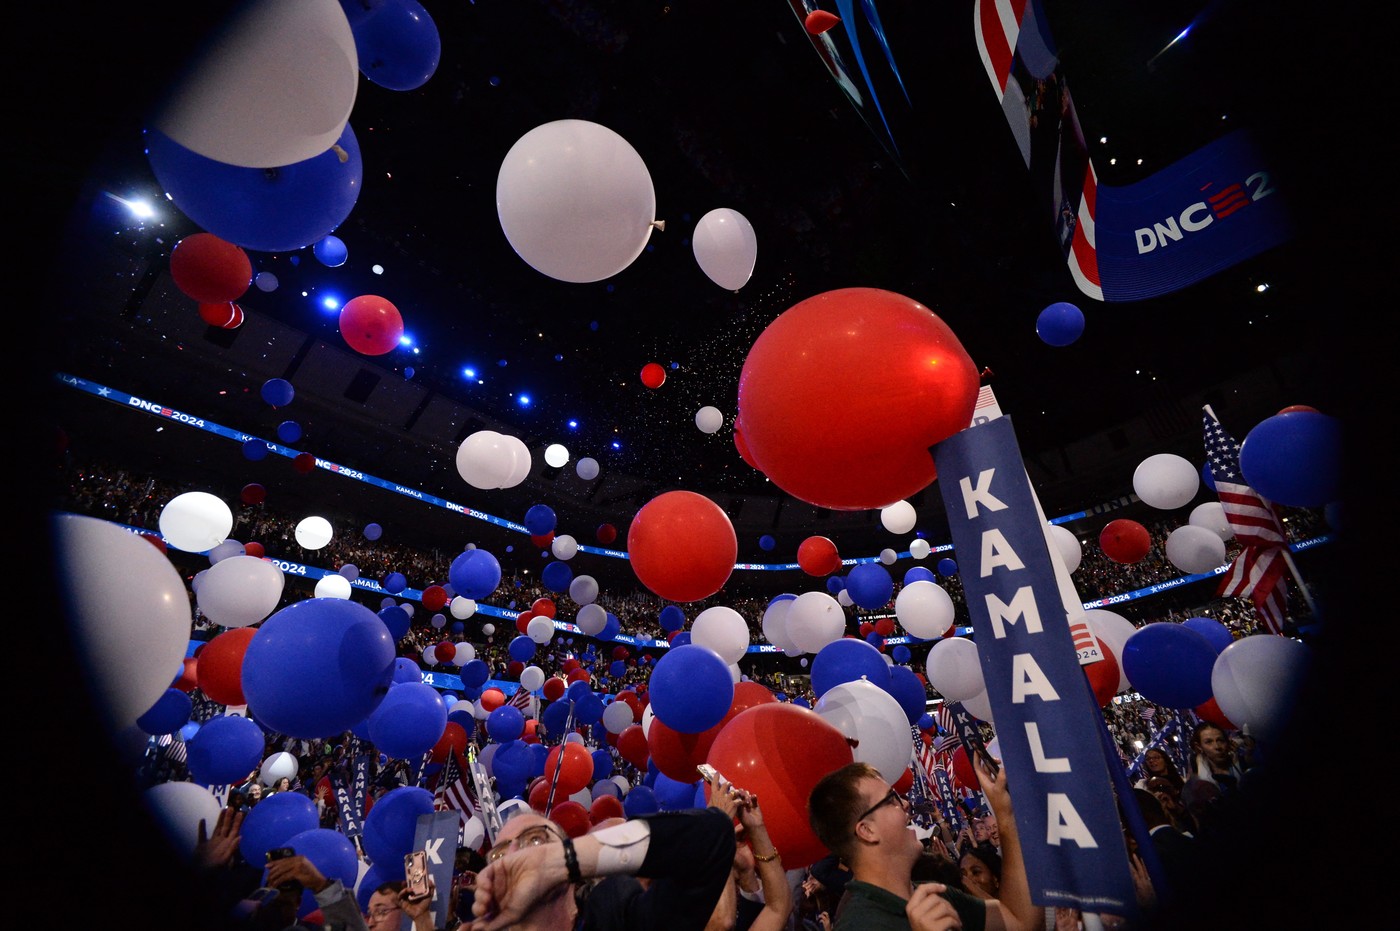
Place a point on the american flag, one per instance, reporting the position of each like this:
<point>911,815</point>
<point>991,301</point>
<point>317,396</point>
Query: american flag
<point>522,699</point>
<point>453,792</point>
<point>1258,570</point>
<point>1147,712</point>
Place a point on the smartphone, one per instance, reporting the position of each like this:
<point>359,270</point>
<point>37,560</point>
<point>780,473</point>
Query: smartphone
<point>291,888</point>
<point>415,871</point>
<point>707,772</point>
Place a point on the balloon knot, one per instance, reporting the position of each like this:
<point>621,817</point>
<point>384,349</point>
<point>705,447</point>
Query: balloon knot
<point>853,742</point>
<point>659,224</point>
<point>987,372</point>
<point>340,154</point>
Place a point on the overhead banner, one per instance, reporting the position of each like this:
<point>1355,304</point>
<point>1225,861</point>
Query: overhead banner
<point>1046,719</point>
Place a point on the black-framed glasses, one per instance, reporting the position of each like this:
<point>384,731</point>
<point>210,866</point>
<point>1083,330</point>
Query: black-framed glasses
<point>891,798</point>
<point>530,837</point>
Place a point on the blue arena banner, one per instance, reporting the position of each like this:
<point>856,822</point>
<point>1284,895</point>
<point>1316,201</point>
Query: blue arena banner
<point>1044,711</point>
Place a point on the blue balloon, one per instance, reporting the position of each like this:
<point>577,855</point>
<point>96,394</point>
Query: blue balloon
<point>394,582</point>
<point>672,618</point>
<point>1295,459</point>
<point>611,627</point>
<point>289,431</point>
<point>278,392</point>
<point>539,756</point>
<point>391,825</point>
<point>273,821</point>
<point>681,639</point>
<point>875,639</point>
<point>846,660</point>
<point>901,654</point>
<point>374,877</point>
<point>835,584</point>
<point>588,709</point>
<point>522,648</point>
<point>617,669</point>
<point>396,621</point>
<point>1169,664</point>
<point>170,713</point>
<point>409,721</point>
<point>408,371</point>
<point>254,450</point>
<point>555,716</point>
<point>505,723</point>
<point>373,531</point>
<point>577,690</point>
<point>926,722</point>
<point>398,45</point>
<point>1207,476</point>
<point>226,749</point>
<point>332,853</point>
<point>802,702</point>
<point>906,689</point>
<point>918,574</point>
<point>947,567</point>
<point>407,670</point>
<point>1217,633</point>
<point>330,251</point>
<point>606,787</point>
<point>513,762</point>
<point>1059,324</point>
<point>602,764</point>
<point>540,520</point>
<point>557,576</point>
<point>640,800</point>
<point>463,718</point>
<point>474,574</point>
<point>672,794</point>
<point>318,667</point>
<point>869,585</point>
<point>264,209</point>
<point>785,596</point>
<point>767,543</point>
<point>458,627</point>
<point>691,688</point>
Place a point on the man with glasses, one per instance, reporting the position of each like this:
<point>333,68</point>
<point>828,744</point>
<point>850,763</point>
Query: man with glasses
<point>390,902</point>
<point>856,813</point>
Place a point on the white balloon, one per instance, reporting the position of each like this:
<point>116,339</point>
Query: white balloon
<point>723,630</point>
<point>465,654</point>
<point>1113,630</point>
<point>532,678</point>
<point>709,419</point>
<point>919,548</point>
<point>276,88</point>
<point>224,550</point>
<point>899,517</point>
<point>564,547</point>
<point>814,620</point>
<point>462,608</point>
<point>888,556</point>
<point>735,673</point>
<point>617,717</point>
<point>575,200</point>
<point>312,533</point>
<point>540,629</point>
<point>587,468</point>
<point>591,619</point>
<point>843,598</point>
<point>332,586</point>
<point>1211,515</point>
<point>486,460</point>
<point>955,669</point>
<point>241,591</point>
<point>473,833</point>
<point>128,612</point>
<point>621,781</point>
<point>523,461</point>
<point>647,716</point>
<point>775,626</point>
<point>195,521</point>
<point>980,707</point>
<point>462,704</point>
<point>430,655</point>
<point>1067,544</point>
<point>439,621</point>
<point>179,807</point>
<point>866,713</point>
<point>277,766</point>
<point>1166,481</point>
<point>583,589</point>
<point>488,629</point>
<point>556,454</point>
<point>1195,549</point>
<point>924,609</point>
<point>726,248</point>
<point>480,711</point>
<point>1256,680</point>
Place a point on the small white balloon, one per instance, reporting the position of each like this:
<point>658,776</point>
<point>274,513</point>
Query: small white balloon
<point>195,521</point>
<point>583,589</point>
<point>224,550</point>
<point>924,609</point>
<point>955,669</point>
<point>278,765</point>
<point>1067,545</point>
<point>775,626</point>
<point>313,532</point>
<point>591,619</point>
<point>919,548</point>
<point>332,586</point>
<point>486,460</point>
<point>564,547</point>
<point>725,247</point>
<point>723,630</point>
<point>617,717</point>
<point>430,655</point>
<point>439,621</point>
<point>1195,549</point>
<point>1211,515</point>
<point>899,517</point>
<point>462,608</point>
<point>814,620</point>
<point>843,598</point>
<point>540,629</point>
<point>980,707</point>
<point>532,678</point>
<point>709,419</point>
<point>556,455</point>
<point>465,654</point>
<point>179,807</point>
<point>888,556</point>
<point>488,629</point>
<point>587,468</point>
<point>1166,481</point>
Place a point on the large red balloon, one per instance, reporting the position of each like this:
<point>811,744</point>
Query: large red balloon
<point>554,688</point>
<point>883,366</point>
<point>1103,677</point>
<point>226,315</point>
<point>571,816</point>
<point>221,666</point>
<point>653,375</point>
<point>742,446</point>
<point>434,597</point>
<point>605,807</point>
<point>779,751</point>
<point>682,546</point>
<point>818,556</point>
<point>963,771</point>
<point>491,699</point>
<point>543,607</point>
<point>677,754</point>
<point>189,675</point>
<point>454,737</point>
<point>575,774</point>
<point>209,269</point>
<point>370,324</point>
<point>1124,541</point>
<point>632,745</point>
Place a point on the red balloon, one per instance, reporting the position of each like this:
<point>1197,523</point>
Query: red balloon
<point>254,549</point>
<point>434,597</point>
<point>454,737</point>
<point>304,463</point>
<point>554,688</point>
<point>631,700</point>
<point>221,666</point>
<point>577,771</point>
<point>819,21</point>
<point>620,652</point>
<point>252,493</point>
<point>1124,541</point>
<point>885,627</point>
<point>677,754</point>
<point>963,771</point>
<point>543,607</point>
<point>542,540</point>
<point>570,815</point>
<point>514,668</point>
<point>682,546</point>
<point>1211,712</point>
<point>605,807</point>
<point>653,375</point>
<point>209,269</point>
<point>491,699</point>
<point>633,747</point>
<point>1299,407</point>
<point>570,665</point>
<point>444,651</point>
<point>580,675</point>
<point>155,541</point>
<point>1103,676</point>
<point>370,324</point>
<point>743,447</point>
<point>885,367</point>
<point>779,751</point>
<point>607,533</point>
<point>522,621</point>
<point>189,676</point>
<point>818,556</point>
<point>905,782</point>
<point>531,733</point>
<point>223,314</point>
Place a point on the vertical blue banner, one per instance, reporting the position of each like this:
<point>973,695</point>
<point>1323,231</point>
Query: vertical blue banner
<point>1046,720</point>
<point>436,834</point>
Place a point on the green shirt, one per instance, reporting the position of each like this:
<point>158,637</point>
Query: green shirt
<point>865,907</point>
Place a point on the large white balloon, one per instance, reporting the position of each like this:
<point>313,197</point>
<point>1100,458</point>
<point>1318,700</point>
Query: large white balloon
<point>540,629</point>
<point>486,460</point>
<point>725,248</point>
<point>195,521</point>
<point>955,669</point>
<point>980,707</point>
<point>275,88</point>
<point>1166,481</point>
<point>591,619</point>
<point>814,620</point>
<point>276,766</point>
<point>556,455</point>
<point>523,460</point>
<point>1211,515</point>
<point>575,200</point>
<point>583,589</point>
<point>1113,630</point>
<point>709,419</point>
<point>866,713</point>
<point>564,547</point>
<point>462,608</point>
<point>723,630</point>
<point>313,532</point>
<point>775,626</point>
<point>1067,545</point>
<point>127,609</point>
<point>924,609</point>
<point>1256,679</point>
<point>241,591</point>
<point>332,586</point>
<point>1195,549</point>
<point>179,807</point>
<point>465,654</point>
<point>899,517</point>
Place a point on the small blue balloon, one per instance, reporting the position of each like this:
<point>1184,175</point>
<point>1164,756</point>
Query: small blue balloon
<point>540,520</point>
<point>672,618</point>
<point>869,585</point>
<point>681,639</point>
<point>557,576</point>
<point>254,450</point>
<point>908,691</point>
<point>926,722</point>
<point>373,531</point>
<point>289,431</point>
<point>947,567</point>
<point>802,702</point>
<point>273,821</point>
<point>513,762</point>
<point>505,723</point>
<point>846,660</point>
<point>602,764</point>
<point>474,574</point>
<point>398,45</point>
<point>408,371</point>
<point>394,583</point>
<point>522,648</point>
<point>588,709</point>
<point>835,584</point>
<point>396,621</point>
<point>785,596</point>
<point>617,668</point>
<point>169,713</point>
<point>1207,476</point>
<point>918,574</point>
<point>901,654</point>
<point>672,794</point>
<point>767,543</point>
<point>611,627</point>
<point>1059,324</point>
<point>555,716</point>
<point>640,800</point>
<point>330,251</point>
